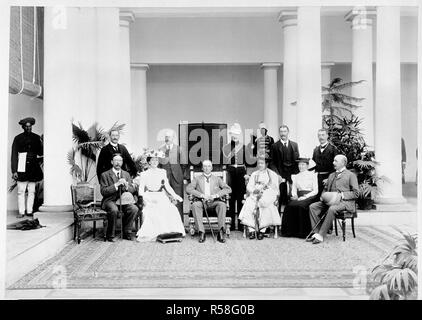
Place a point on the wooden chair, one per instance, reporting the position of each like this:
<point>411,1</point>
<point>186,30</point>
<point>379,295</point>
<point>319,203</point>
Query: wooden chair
<point>213,219</point>
<point>341,218</point>
<point>85,209</point>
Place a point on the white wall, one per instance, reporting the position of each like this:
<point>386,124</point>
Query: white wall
<point>223,94</point>
<point>21,106</point>
<point>243,40</point>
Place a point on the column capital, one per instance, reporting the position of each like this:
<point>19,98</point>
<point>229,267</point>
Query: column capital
<point>125,18</point>
<point>288,18</point>
<point>360,17</point>
<point>139,66</point>
<point>269,65</point>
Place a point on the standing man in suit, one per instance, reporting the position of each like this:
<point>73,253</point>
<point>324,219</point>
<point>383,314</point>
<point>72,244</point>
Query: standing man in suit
<point>211,189</point>
<point>26,152</point>
<point>113,182</point>
<point>323,157</point>
<point>176,172</point>
<point>106,155</point>
<point>284,154</point>
<point>345,184</point>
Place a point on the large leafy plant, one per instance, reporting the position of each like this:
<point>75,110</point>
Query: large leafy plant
<point>368,178</point>
<point>336,104</point>
<point>396,278</point>
<point>83,156</point>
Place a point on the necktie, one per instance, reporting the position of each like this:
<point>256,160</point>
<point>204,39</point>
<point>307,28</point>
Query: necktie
<point>168,151</point>
<point>208,178</point>
<point>115,149</point>
<point>118,175</point>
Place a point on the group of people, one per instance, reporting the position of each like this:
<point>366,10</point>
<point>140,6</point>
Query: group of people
<point>282,181</point>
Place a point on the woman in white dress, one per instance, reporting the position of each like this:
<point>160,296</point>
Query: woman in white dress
<point>263,188</point>
<point>159,214</point>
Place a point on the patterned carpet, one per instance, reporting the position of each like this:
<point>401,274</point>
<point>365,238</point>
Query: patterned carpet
<point>282,262</point>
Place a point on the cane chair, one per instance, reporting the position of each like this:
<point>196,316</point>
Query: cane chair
<point>341,218</point>
<point>274,228</point>
<point>85,209</point>
<point>213,218</point>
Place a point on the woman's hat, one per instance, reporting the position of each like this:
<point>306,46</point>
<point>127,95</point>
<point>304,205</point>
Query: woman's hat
<point>235,129</point>
<point>305,160</point>
<point>126,198</point>
<point>151,153</point>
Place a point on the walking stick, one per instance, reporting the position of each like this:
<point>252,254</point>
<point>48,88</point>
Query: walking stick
<point>121,212</point>
<point>316,226</point>
<point>208,218</point>
<point>257,230</point>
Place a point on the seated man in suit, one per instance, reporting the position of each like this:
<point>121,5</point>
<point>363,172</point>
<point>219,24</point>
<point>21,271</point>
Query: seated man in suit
<point>209,188</point>
<point>112,183</point>
<point>339,194</point>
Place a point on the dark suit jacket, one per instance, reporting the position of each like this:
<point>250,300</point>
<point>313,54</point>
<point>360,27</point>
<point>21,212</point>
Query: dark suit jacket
<point>277,159</point>
<point>324,160</point>
<point>346,183</point>
<point>107,188</point>
<point>106,155</point>
<point>173,166</point>
<point>217,186</point>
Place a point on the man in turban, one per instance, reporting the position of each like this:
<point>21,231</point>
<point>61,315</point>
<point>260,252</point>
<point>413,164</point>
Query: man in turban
<point>25,162</point>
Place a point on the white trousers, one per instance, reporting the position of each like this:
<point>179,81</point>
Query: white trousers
<point>22,185</point>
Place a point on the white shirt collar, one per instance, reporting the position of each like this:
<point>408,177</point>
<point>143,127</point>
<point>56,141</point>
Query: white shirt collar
<point>285,142</point>
<point>115,172</point>
<point>323,146</point>
<point>113,144</point>
<point>341,170</point>
<point>169,146</point>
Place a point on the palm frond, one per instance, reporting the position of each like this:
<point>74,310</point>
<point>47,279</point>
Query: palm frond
<point>79,134</point>
<point>116,126</point>
<point>380,293</point>
<point>341,86</point>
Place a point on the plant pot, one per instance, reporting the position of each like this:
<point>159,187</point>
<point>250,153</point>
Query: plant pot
<point>365,203</point>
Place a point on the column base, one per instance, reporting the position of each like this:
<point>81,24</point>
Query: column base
<point>397,204</point>
<point>50,208</point>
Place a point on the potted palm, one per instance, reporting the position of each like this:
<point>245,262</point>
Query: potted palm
<point>368,180</point>
<point>396,277</point>
<point>83,156</point>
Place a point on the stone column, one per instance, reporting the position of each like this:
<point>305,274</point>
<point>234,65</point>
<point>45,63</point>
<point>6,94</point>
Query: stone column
<point>362,56</point>
<point>5,174</point>
<point>309,114</point>
<point>60,63</point>
<point>108,72</point>
<point>288,19</point>
<point>271,98</point>
<point>326,73</point>
<point>125,88</point>
<point>139,106</point>
<point>326,77</point>
<point>388,104</point>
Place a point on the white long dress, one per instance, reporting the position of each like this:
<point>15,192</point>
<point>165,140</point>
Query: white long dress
<point>159,214</point>
<point>268,213</point>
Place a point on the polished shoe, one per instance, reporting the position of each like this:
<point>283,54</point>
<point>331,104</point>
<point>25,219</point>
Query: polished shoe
<point>201,237</point>
<point>260,235</point>
<point>252,235</point>
<point>220,236</point>
<point>29,214</point>
<point>20,216</point>
<point>316,241</point>
<point>128,237</point>
<point>110,240</point>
